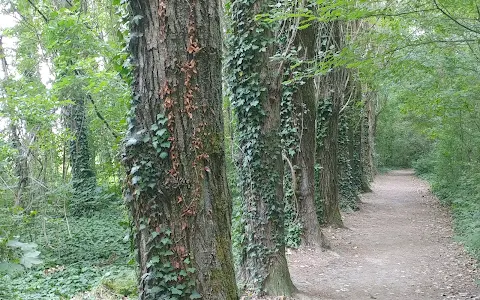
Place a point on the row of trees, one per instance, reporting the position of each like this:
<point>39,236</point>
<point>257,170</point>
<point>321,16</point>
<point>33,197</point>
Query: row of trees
<point>301,101</point>
<point>301,86</point>
<point>47,120</point>
<point>296,105</point>
<point>301,136</point>
<point>62,107</point>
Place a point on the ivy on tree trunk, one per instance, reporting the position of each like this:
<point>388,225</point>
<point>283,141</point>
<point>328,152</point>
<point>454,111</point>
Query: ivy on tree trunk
<point>83,177</point>
<point>255,85</point>
<point>328,123</point>
<point>176,185</point>
<point>305,108</point>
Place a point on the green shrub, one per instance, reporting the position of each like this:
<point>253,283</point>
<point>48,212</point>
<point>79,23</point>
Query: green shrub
<point>62,284</point>
<point>462,194</point>
<point>96,239</point>
<point>424,165</point>
<point>121,281</point>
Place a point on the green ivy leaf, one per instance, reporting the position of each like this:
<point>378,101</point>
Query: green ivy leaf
<point>134,169</point>
<point>131,142</point>
<point>176,291</point>
<point>195,295</point>
<point>155,290</point>
<point>136,179</point>
<point>161,132</point>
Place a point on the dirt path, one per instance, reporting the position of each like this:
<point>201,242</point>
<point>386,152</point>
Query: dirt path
<point>398,246</point>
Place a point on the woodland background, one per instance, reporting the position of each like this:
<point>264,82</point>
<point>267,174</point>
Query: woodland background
<point>382,85</point>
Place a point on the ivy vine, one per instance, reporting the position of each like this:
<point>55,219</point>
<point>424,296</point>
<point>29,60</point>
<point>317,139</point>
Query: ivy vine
<point>248,41</point>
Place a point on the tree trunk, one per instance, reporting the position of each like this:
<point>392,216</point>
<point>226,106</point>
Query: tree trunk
<point>371,120</point>
<point>305,107</point>
<point>84,180</point>
<point>348,188</point>
<point>348,196</point>
<point>355,138</point>
<point>255,83</point>
<point>21,166</point>
<point>329,110</point>
<point>174,153</point>
<point>328,158</point>
<point>367,136</point>
<point>83,177</point>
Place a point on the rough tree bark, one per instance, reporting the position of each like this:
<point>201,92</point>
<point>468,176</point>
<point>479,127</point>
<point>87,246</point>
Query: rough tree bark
<point>368,139</point>
<point>354,138</point>
<point>84,180</point>
<point>305,107</point>
<point>255,83</point>
<point>176,184</point>
<point>361,145</point>
<point>348,188</point>
<point>333,97</point>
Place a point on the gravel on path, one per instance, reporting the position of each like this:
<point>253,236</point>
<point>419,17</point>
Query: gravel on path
<point>399,245</point>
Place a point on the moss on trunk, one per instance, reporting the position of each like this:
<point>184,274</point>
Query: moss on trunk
<point>176,184</point>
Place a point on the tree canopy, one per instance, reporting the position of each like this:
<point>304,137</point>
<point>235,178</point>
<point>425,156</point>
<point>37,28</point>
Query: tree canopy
<point>195,141</point>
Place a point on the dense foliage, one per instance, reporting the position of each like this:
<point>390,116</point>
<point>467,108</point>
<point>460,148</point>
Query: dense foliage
<point>56,59</point>
<point>356,85</point>
<point>429,114</point>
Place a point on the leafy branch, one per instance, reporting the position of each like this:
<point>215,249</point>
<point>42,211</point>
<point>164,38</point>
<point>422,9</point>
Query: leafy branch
<point>39,11</point>
<point>431,42</point>
<point>448,15</point>
<point>97,112</point>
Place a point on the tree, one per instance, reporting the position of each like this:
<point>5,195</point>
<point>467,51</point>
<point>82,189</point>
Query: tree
<point>255,86</point>
<point>332,97</point>
<point>21,156</point>
<point>305,107</point>
<point>348,187</point>
<point>67,33</point>
<point>368,139</point>
<point>358,140</point>
<point>176,185</point>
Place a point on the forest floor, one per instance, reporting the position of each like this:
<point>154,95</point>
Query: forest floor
<point>399,245</point>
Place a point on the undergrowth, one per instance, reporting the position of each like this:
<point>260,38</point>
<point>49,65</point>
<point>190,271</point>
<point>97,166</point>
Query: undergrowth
<point>459,188</point>
<point>79,254</point>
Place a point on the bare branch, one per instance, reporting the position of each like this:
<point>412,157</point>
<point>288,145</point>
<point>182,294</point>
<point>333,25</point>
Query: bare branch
<point>432,42</point>
<point>115,135</point>
<point>400,13</point>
